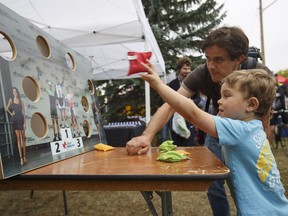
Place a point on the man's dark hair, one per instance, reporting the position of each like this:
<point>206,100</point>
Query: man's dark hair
<point>232,39</point>
<point>183,61</point>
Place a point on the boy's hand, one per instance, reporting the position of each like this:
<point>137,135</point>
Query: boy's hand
<point>151,76</point>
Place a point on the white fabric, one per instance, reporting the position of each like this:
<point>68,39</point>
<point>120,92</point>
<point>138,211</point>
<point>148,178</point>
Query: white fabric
<point>179,126</point>
<point>100,30</point>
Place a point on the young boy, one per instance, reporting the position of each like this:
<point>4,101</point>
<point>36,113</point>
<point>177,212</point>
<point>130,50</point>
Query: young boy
<point>246,96</point>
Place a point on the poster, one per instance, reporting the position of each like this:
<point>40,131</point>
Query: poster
<point>48,101</point>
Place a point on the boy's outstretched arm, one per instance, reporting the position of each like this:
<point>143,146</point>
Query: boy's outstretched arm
<point>180,103</point>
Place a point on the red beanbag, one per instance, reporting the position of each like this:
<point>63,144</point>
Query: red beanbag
<point>135,59</point>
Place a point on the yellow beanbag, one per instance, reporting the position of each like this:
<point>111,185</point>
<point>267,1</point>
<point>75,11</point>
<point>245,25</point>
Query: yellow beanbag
<point>183,152</point>
<point>103,147</point>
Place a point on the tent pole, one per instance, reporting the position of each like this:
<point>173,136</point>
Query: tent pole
<point>147,102</point>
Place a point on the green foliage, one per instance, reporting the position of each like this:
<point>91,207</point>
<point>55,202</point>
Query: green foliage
<point>179,27</point>
<point>283,73</point>
<point>123,99</point>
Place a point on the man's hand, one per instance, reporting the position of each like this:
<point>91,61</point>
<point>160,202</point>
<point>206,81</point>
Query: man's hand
<point>138,145</point>
<point>141,144</point>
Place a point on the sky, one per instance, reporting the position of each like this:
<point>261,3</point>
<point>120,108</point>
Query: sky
<point>245,14</point>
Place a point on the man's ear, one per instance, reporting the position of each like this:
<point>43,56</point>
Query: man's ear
<point>241,58</point>
<point>253,104</point>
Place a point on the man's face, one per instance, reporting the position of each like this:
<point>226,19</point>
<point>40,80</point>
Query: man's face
<point>184,71</point>
<point>219,63</point>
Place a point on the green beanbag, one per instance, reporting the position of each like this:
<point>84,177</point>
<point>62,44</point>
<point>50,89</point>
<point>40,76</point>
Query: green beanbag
<point>172,156</point>
<point>167,146</point>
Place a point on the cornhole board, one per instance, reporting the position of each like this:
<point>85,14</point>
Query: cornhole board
<point>46,73</point>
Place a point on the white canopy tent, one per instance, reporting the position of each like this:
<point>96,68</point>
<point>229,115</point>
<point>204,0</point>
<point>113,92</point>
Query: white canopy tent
<point>100,30</point>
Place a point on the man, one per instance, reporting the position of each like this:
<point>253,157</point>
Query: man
<point>53,111</point>
<point>183,68</point>
<point>225,49</point>
<point>61,105</point>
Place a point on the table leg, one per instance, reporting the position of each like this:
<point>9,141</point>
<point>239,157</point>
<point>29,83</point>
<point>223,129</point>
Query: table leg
<point>64,199</point>
<point>148,196</point>
<point>166,202</point>
<point>65,202</point>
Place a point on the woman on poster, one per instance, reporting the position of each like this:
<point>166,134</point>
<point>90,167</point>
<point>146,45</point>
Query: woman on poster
<point>15,108</point>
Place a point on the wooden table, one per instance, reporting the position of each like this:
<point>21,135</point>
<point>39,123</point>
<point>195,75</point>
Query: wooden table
<point>116,171</point>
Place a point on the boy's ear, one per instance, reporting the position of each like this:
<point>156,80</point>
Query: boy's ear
<point>253,104</point>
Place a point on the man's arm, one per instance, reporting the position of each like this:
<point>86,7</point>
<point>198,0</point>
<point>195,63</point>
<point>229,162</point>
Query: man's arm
<point>180,103</point>
<point>141,144</point>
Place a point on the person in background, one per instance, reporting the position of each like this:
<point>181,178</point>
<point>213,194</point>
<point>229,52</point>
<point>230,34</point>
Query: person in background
<point>183,68</point>
<point>15,108</point>
<point>278,110</point>
<point>226,50</point>
<point>246,97</point>
<point>274,116</point>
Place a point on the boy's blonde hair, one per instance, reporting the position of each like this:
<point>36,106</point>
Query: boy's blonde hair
<point>254,83</point>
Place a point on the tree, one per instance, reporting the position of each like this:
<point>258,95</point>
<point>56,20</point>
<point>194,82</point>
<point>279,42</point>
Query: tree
<point>179,27</point>
<point>123,98</point>
<point>283,73</point>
